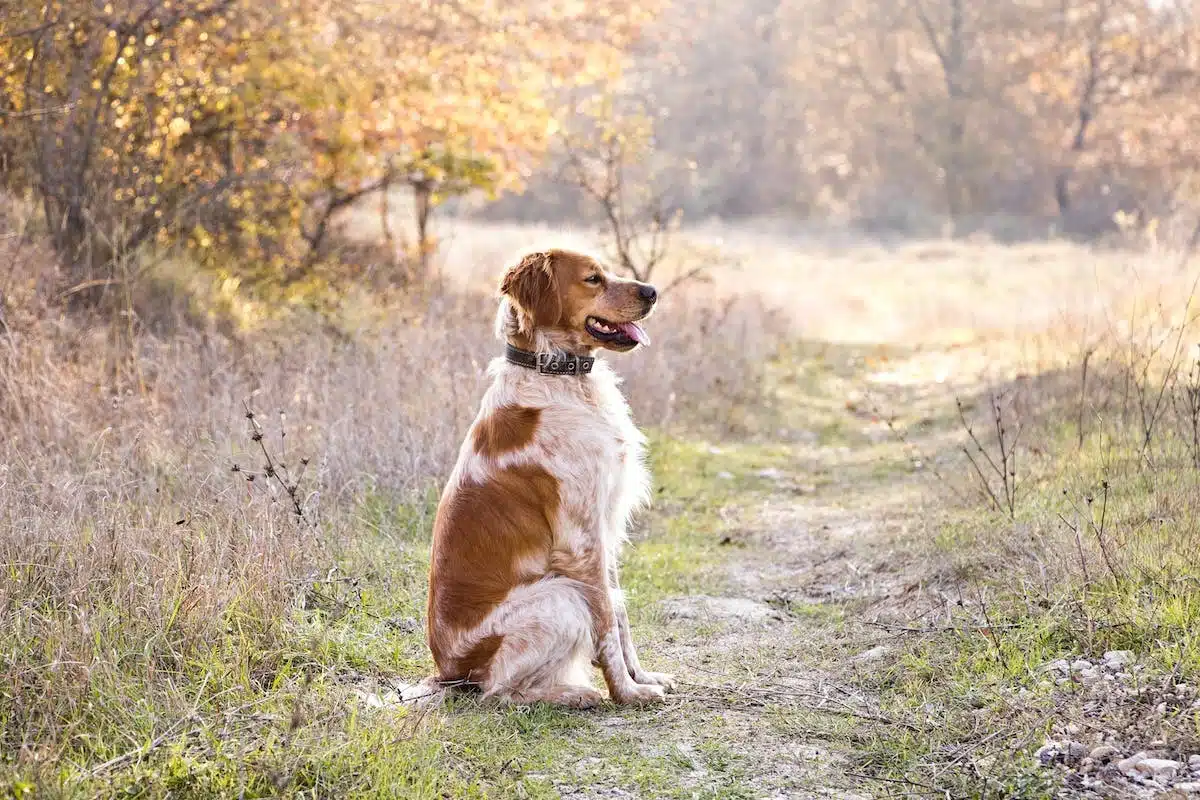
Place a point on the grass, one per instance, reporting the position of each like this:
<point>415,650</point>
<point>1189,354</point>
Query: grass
<point>169,629</point>
<point>265,708</point>
<point>1099,554</point>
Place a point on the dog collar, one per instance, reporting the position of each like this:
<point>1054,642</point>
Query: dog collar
<point>549,363</point>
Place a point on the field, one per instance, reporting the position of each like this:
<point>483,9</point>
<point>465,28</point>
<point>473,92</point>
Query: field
<point>925,524</point>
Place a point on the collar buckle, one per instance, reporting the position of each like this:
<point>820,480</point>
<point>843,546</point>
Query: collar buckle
<point>564,364</point>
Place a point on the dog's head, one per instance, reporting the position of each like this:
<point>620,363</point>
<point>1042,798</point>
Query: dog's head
<point>566,300</point>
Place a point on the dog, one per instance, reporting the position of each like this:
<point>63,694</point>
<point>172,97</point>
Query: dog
<point>524,597</point>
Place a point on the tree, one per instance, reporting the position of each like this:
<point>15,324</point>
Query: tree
<point>1109,73</point>
<point>605,156</point>
<point>240,126</point>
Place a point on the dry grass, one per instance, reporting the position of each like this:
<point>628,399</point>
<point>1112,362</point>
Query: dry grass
<point>136,559</point>
<point>845,289</point>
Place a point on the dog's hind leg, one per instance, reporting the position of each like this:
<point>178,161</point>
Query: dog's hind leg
<point>546,646</point>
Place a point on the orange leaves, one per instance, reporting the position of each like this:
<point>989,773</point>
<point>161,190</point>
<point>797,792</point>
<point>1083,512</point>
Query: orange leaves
<point>199,107</point>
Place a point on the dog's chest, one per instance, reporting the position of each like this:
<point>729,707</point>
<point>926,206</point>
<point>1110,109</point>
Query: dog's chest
<point>622,471</point>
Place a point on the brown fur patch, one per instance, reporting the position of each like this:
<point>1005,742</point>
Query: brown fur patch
<point>532,287</point>
<point>484,538</point>
<point>508,428</point>
<point>587,569</point>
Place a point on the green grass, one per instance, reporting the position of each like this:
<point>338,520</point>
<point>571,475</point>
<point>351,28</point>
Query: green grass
<point>701,490</point>
<point>270,709</point>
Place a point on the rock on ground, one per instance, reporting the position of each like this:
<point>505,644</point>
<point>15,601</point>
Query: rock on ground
<point>733,609</point>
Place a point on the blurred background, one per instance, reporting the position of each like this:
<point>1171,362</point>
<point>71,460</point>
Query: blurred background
<point>250,137</point>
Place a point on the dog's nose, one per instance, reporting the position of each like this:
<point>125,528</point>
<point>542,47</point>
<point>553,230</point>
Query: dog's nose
<point>648,293</point>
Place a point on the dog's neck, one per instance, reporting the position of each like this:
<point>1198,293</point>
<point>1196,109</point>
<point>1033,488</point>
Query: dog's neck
<point>546,352</point>
<point>547,342</point>
<point>547,359</point>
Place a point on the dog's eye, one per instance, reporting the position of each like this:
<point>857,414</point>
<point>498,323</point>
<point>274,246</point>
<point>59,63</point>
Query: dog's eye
<point>594,280</point>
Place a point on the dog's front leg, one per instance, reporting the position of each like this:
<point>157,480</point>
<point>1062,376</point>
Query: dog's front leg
<point>639,675</point>
<point>621,685</point>
<point>589,570</point>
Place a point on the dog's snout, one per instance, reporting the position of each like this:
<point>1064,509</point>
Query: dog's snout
<point>648,293</point>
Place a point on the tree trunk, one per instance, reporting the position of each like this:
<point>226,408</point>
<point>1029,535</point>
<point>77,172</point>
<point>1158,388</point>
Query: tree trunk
<point>423,205</point>
<point>1062,192</point>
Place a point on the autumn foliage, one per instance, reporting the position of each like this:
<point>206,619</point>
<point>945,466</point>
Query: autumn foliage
<point>236,128</point>
<point>241,129</point>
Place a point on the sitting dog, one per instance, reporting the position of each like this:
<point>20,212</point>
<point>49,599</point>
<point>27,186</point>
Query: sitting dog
<point>523,590</point>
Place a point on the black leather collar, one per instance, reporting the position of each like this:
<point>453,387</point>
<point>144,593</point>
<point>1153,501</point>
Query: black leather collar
<point>550,363</point>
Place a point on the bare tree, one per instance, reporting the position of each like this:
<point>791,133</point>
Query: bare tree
<point>638,218</point>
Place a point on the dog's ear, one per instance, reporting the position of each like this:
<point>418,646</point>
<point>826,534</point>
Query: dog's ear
<point>533,291</point>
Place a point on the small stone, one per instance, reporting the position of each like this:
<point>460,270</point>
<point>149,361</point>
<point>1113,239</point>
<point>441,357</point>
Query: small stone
<point>1191,787</point>
<point>1071,729</point>
<point>1104,754</point>
<point>1061,665</point>
<point>1081,665</point>
<point>770,473</point>
<point>1158,768</point>
<point>1118,658</point>
<point>1087,766</point>
<point>1047,754</point>
<point>1129,765</point>
<point>1089,675</point>
<point>725,476</point>
<point>708,608</point>
<point>874,654</point>
<point>1074,752</point>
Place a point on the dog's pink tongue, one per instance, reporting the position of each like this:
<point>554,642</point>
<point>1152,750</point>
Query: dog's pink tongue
<point>635,332</point>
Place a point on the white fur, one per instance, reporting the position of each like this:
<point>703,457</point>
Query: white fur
<point>587,440</point>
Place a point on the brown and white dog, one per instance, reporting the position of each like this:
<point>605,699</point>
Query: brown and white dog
<point>523,589</point>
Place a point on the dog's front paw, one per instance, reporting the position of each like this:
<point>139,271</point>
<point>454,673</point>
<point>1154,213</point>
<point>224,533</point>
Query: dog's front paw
<point>663,679</point>
<point>639,695</point>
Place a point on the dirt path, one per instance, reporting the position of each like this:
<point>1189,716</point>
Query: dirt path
<point>773,642</point>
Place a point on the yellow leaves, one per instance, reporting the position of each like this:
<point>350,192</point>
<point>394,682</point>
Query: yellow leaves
<point>305,95</point>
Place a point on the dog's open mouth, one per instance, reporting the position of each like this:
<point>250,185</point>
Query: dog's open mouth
<point>621,334</point>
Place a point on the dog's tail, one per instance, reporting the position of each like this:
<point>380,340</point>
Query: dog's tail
<point>426,694</point>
